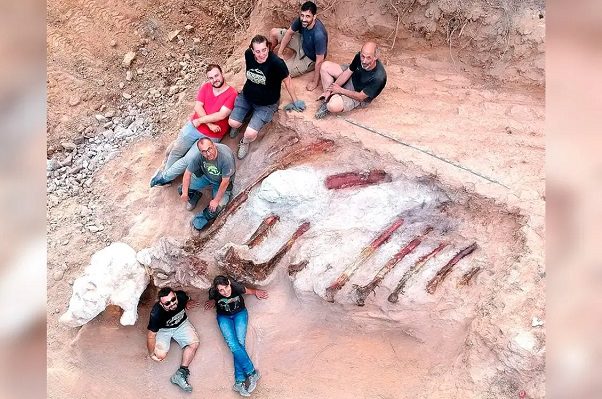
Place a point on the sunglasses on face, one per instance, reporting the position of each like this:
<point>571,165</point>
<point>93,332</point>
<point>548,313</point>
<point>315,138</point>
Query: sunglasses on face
<point>169,302</point>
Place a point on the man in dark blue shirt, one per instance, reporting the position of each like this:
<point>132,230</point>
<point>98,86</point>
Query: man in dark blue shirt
<point>350,86</point>
<point>308,38</point>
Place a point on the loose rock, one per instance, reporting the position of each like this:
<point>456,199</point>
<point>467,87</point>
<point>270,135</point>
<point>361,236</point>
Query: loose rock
<point>128,58</point>
<point>172,35</point>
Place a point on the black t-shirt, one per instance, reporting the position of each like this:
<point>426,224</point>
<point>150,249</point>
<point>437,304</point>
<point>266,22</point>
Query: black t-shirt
<point>161,318</point>
<point>264,80</point>
<point>370,82</point>
<point>229,305</point>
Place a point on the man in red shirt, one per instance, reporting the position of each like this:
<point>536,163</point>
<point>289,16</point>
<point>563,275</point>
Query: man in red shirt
<point>214,103</point>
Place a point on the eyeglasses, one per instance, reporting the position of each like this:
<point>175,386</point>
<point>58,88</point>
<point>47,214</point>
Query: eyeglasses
<point>167,303</point>
<point>207,151</point>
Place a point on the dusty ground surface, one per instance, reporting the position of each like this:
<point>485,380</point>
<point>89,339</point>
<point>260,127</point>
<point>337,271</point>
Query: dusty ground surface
<point>479,110</point>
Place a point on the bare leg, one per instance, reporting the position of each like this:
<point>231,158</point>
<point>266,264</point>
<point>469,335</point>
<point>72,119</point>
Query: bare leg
<point>250,135</point>
<point>335,105</point>
<point>329,71</point>
<point>234,124</point>
<point>274,37</point>
<point>188,354</point>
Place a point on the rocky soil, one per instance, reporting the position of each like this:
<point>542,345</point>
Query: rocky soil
<point>466,82</point>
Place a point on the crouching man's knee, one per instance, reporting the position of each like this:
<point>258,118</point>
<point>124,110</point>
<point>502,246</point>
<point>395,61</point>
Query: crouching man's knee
<point>159,355</point>
<point>234,124</point>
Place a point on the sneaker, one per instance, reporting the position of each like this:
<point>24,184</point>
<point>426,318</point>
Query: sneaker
<point>180,378</point>
<point>243,150</point>
<point>157,179</point>
<point>241,389</point>
<point>233,132</point>
<point>193,199</point>
<point>322,111</point>
<point>253,378</point>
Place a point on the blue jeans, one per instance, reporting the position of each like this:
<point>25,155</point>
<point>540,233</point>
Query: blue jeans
<point>234,330</point>
<point>183,151</point>
<point>197,184</point>
<point>262,114</point>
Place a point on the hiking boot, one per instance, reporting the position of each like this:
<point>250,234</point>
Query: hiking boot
<point>193,199</point>
<point>157,179</point>
<point>241,389</point>
<point>233,132</point>
<point>180,378</point>
<point>322,111</point>
<point>243,150</point>
<point>253,378</point>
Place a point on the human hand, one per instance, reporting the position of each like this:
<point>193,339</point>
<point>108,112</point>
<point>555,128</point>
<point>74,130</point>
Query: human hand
<point>155,357</point>
<point>213,204</point>
<point>261,294</point>
<point>210,304</point>
<point>311,86</point>
<point>335,88</point>
<point>214,128</point>
<point>191,304</point>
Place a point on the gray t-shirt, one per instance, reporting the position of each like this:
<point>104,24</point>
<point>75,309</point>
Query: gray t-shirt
<point>222,166</point>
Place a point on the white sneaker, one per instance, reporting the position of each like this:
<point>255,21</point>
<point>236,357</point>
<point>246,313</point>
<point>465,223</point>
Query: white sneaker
<point>253,378</point>
<point>243,150</point>
<point>240,388</point>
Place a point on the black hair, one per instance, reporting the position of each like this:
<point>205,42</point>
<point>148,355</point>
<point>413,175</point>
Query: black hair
<point>259,39</point>
<point>310,6</point>
<point>164,292</point>
<point>213,66</point>
<point>220,280</point>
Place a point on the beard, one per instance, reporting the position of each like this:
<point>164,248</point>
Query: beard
<point>219,84</point>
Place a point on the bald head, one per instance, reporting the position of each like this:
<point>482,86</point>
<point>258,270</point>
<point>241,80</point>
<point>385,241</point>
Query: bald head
<point>370,48</point>
<point>369,55</point>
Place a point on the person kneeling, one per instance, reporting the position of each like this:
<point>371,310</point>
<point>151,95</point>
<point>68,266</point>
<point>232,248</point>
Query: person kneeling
<point>214,166</point>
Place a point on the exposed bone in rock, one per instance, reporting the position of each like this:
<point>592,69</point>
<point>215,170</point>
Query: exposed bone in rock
<point>364,255</point>
<point>295,268</point>
<point>262,231</point>
<point>248,271</point>
<point>296,156</point>
<point>468,276</point>
<point>415,269</point>
<point>171,266</point>
<point>356,179</point>
<point>113,277</point>
<point>363,292</point>
<point>432,285</point>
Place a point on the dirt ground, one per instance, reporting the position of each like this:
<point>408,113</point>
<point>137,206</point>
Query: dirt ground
<point>483,110</point>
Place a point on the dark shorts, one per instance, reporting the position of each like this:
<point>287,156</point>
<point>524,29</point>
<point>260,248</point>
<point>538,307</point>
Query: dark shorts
<point>262,114</point>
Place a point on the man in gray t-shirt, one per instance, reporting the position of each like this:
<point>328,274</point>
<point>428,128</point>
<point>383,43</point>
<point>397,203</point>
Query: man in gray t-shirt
<point>214,166</point>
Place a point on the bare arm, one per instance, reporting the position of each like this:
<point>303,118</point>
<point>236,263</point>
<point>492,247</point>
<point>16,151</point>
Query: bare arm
<point>199,108</point>
<point>356,95</point>
<point>185,185</point>
<point>289,87</point>
<point>285,41</point>
<point>220,193</point>
<point>260,294</point>
<point>222,114</point>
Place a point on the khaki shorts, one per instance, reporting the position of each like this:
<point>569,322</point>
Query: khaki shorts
<point>299,64</point>
<point>184,335</point>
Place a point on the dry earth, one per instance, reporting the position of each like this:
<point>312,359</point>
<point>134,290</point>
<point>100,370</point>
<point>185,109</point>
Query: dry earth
<point>476,100</point>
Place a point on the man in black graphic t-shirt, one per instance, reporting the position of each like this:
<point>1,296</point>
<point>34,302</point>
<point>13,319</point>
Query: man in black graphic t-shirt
<point>260,95</point>
<point>346,88</point>
<point>168,320</point>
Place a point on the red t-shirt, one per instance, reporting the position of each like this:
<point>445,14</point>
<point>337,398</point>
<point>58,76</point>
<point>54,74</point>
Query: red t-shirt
<point>213,104</point>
